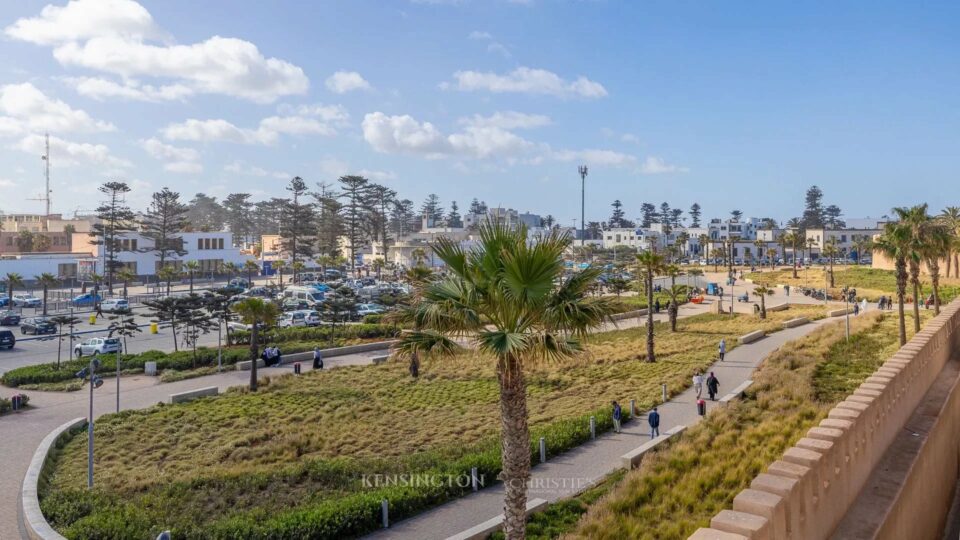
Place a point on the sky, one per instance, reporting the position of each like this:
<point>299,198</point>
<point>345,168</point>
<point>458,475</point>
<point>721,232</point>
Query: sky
<point>734,105</point>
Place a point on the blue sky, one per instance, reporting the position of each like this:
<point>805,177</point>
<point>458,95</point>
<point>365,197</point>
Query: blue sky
<point>733,105</point>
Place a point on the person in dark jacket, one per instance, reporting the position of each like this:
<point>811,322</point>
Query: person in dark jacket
<point>617,415</point>
<point>656,306</point>
<point>653,418</point>
<point>713,386</point>
<point>317,358</point>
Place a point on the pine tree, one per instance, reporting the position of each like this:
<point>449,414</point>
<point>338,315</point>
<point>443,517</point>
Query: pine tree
<point>237,208</point>
<point>432,210</point>
<point>400,217</point>
<point>380,203</point>
<point>813,213</point>
<point>676,218</point>
<point>165,219</point>
<point>695,215</point>
<point>548,221</point>
<point>453,217</point>
<point>115,218</point>
<point>736,214</point>
<point>832,216</point>
<point>355,194</point>
<point>205,214</point>
<point>648,213</point>
<point>297,226</point>
<point>329,220</point>
<point>616,219</point>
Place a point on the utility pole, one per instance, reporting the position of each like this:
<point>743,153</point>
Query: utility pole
<point>45,197</point>
<point>583,191</point>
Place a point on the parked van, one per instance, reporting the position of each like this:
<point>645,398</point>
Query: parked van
<point>292,318</point>
<point>307,294</point>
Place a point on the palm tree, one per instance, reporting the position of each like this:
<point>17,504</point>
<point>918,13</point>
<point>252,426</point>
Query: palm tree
<point>894,243</point>
<point>168,273</point>
<point>717,254</point>
<point>125,275</point>
<point>831,251</point>
<point>251,266</point>
<point>696,273</point>
<point>702,242</point>
<point>950,217</point>
<point>682,240</point>
<point>325,261</point>
<point>502,295</point>
<point>918,223</point>
<point>61,321</point>
<point>13,280</point>
<point>231,269</point>
<point>861,243</point>
<point>46,280</point>
<point>810,243</point>
<point>762,291</point>
<point>791,239</point>
<point>418,255</point>
<point>758,244</point>
<point>255,313</point>
<point>279,266</point>
<point>676,292</point>
<point>936,245</point>
<point>192,267</point>
<point>771,256</point>
<point>650,263</point>
<point>378,267</point>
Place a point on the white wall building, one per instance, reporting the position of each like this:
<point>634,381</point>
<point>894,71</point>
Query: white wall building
<point>211,249</point>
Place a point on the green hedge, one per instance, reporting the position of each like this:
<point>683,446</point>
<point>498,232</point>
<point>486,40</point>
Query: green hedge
<point>318,333</point>
<point>83,515</point>
<point>6,405</point>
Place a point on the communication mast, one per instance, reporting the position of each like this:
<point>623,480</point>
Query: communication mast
<point>45,198</point>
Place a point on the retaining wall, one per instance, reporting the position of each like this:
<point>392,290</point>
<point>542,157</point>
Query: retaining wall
<point>33,520</point>
<point>806,493</point>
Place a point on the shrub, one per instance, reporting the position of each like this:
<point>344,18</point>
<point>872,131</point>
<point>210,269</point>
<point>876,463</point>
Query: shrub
<point>318,333</point>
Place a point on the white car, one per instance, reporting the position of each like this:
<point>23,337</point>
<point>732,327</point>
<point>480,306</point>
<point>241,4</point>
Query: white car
<point>113,304</point>
<point>292,318</point>
<point>97,346</point>
<point>311,317</point>
<point>369,309</point>
<point>26,300</point>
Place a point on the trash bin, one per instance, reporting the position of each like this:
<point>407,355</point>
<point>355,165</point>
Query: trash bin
<point>16,402</point>
<point>93,319</point>
<point>150,369</point>
<point>154,328</point>
<point>701,407</point>
<point>296,368</point>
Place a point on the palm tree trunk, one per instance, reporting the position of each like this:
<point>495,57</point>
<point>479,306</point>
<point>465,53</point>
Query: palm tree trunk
<point>915,279</point>
<point>44,300</point>
<point>831,274</point>
<point>901,292</point>
<point>515,452</point>
<point>794,261</point>
<point>763,307</point>
<point>934,266</point>
<point>59,346</point>
<point>253,357</point>
<point>956,264</point>
<point>650,353</point>
<point>673,315</point>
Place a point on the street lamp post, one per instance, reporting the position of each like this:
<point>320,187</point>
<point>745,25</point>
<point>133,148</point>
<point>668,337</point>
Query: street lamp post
<point>583,193</point>
<point>90,372</point>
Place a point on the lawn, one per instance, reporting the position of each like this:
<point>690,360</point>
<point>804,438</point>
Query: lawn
<point>678,489</point>
<point>287,461</point>
<point>869,282</point>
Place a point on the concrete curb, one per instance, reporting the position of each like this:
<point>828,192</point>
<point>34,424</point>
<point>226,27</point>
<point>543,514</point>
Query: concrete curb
<point>36,524</point>
<point>751,337</point>
<point>485,529</point>
<point>307,356</point>
<point>629,314</point>
<point>191,395</point>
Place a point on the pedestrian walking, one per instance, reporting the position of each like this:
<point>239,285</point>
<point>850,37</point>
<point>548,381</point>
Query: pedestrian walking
<point>617,415</point>
<point>856,309</point>
<point>653,418</point>
<point>713,386</point>
<point>723,348</point>
<point>99,310</point>
<point>698,383</point>
<point>787,289</point>
<point>656,306</point>
<point>317,358</point>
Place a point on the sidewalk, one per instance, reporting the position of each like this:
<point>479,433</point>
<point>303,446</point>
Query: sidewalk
<point>572,472</point>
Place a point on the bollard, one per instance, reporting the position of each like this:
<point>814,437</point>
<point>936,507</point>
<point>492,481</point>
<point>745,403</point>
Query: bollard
<point>473,477</point>
<point>16,402</point>
<point>93,319</point>
<point>593,427</point>
<point>633,408</point>
<point>701,407</point>
<point>154,328</point>
<point>296,368</point>
<point>663,390</point>
<point>384,505</point>
<point>543,450</point>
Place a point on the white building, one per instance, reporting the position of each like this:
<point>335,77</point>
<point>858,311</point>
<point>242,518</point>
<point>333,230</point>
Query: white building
<point>210,249</point>
<point>846,240</point>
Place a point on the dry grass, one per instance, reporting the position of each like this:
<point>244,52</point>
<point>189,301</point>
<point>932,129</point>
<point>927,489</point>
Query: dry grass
<point>377,414</point>
<point>678,489</point>
<point>869,282</point>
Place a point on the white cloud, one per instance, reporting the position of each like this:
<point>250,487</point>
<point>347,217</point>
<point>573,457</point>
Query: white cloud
<point>480,36</point>
<point>304,120</point>
<point>331,167</point>
<point>595,157</point>
<point>630,138</point>
<point>377,176</point>
<point>342,82</point>
<point>239,167</point>
<point>655,165</point>
<point>104,89</point>
<point>527,81</point>
<point>492,45</point>
<point>177,159</point>
<point>116,36</point>
<point>27,109</point>
<point>70,153</point>
<point>7,183</point>
<point>508,120</point>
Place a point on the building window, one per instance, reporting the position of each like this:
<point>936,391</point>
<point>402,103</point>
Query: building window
<point>219,243</point>
<point>199,243</point>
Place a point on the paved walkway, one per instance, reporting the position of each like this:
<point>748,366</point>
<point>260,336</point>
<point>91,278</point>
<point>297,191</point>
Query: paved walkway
<point>573,471</point>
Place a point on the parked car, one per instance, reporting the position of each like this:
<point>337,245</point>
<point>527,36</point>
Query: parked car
<point>37,325</point>
<point>114,304</point>
<point>88,299</point>
<point>332,273</point>
<point>4,301</point>
<point>369,309</point>
<point>9,318</point>
<point>294,304</point>
<point>26,300</point>
<point>7,339</point>
<point>97,346</point>
<point>291,319</point>
<point>239,282</point>
<point>311,317</point>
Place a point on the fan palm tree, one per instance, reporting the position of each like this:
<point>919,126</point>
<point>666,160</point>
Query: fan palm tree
<point>762,291</point>
<point>717,254</point>
<point>502,295</point>
<point>758,254</point>
<point>791,239</point>
<point>279,266</point>
<point>13,280</point>
<point>936,245</point>
<point>251,266</point>
<point>168,273</point>
<point>231,269</point>
<point>702,241</point>
<point>950,217</point>
<point>191,267</point>
<point>650,263</point>
<point>810,244</point>
<point>296,268</point>
<point>918,223</point>
<point>676,292</point>
<point>325,261</point>
<point>894,243</point>
<point>125,275</point>
<point>772,256</point>
<point>256,313</point>
<point>46,280</point>
<point>862,244</point>
<point>831,251</point>
<point>682,240</point>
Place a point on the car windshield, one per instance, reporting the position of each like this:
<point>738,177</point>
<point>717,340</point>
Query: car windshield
<point>111,341</point>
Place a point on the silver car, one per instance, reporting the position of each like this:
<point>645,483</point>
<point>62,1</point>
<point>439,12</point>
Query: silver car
<point>97,346</point>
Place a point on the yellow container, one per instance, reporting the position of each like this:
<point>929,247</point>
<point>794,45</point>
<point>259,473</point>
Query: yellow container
<point>93,319</point>
<point>154,328</point>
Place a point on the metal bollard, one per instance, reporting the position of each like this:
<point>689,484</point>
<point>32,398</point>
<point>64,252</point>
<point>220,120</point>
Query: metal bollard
<point>473,477</point>
<point>701,407</point>
<point>384,509</point>
<point>296,368</point>
<point>593,427</point>
<point>633,408</point>
<point>663,390</point>
<point>543,450</point>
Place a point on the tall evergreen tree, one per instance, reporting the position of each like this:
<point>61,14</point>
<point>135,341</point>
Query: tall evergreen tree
<point>616,218</point>
<point>165,219</point>
<point>432,210</point>
<point>831,217</point>
<point>355,193</point>
<point>115,218</point>
<point>205,214</point>
<point>297,226</point>
<point>648,213</point>
<point>401,216</point>
<point>664,216</point>
<point>676,218</point>
<point>236,209</point>
<point>478,207</point>
<point>695,215</point>
<point>453,217</point>
<point>328,219</point>
<point>813,212</point>
<point>736,214</point>
<point>380,204</point>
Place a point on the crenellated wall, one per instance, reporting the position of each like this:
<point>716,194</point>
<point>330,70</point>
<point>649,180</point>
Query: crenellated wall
<point>806,493</point>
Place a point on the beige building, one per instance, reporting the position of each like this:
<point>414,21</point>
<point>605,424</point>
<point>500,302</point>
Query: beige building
<point>845,239</point>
